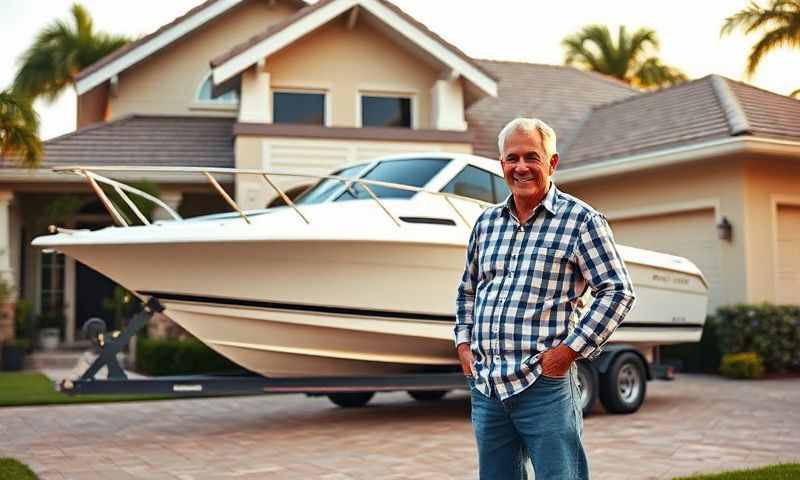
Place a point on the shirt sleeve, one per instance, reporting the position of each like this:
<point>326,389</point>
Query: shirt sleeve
<point>602,267</point>
<point>465,299</point>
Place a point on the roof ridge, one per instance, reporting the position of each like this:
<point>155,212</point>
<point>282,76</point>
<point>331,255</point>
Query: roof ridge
<point>734,113</point>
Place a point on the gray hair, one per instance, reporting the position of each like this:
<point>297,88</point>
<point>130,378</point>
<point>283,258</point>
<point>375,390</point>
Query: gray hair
<point>528,125</point>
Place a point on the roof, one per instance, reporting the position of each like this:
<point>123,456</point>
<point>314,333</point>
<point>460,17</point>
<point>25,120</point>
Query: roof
<point>709,108</point>
<point>212,9</point>
<point>146,140</point>
<point>561,96</point>
<point>304,21</point>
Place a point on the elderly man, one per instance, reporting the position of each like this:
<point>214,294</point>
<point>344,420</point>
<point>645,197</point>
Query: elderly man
<point>519,327</point>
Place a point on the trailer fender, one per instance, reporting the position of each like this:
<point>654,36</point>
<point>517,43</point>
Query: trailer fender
<point>610,352</point>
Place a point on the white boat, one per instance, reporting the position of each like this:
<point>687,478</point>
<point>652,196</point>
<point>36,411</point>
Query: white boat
<point>326,286</point>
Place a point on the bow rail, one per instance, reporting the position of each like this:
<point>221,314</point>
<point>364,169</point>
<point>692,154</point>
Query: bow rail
<point>95,180</point>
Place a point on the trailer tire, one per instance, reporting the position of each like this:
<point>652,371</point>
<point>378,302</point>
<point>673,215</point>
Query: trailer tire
<point>623,386</point>
<point>427,395</point>
<point>588,386</point>
<point>351,399</point>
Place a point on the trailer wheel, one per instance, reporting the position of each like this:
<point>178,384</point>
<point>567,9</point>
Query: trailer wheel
<point>588,385</point>
<point>623,386</point>
<point>351,399</point>
<point>427,395</point>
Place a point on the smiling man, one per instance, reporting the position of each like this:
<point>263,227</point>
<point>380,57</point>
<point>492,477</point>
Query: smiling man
<point>519,328</point>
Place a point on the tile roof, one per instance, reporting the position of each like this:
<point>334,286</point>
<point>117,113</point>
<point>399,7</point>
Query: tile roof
<point>146,140</point>
<point>709,108</point>
<point>561,96</point>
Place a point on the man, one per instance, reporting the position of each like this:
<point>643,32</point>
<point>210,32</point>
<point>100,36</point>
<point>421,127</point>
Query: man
<point>519,326</point>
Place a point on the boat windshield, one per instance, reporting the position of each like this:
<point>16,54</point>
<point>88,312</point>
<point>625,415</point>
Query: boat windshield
<point>414,172</point>
<point>325,188</point>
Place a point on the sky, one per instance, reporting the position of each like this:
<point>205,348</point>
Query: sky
<point>518,30</point>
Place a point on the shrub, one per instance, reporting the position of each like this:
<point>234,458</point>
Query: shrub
<point>742,365</point>
<point>771,331</point>
<point>178,357</point>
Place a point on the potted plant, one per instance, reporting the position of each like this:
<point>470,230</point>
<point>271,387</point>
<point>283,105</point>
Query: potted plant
<point>14,352</point>
<point>50,324</point>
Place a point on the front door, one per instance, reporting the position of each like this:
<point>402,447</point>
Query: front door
<point>91,290</point>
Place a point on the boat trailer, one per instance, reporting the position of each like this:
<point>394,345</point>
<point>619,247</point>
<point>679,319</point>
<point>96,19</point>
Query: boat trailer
<point>244,383</point>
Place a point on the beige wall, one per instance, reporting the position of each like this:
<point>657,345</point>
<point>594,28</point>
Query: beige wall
<point>710,184</point>
<point>769,182</point>
<point>314,156</point>
<point>93,106</point>
<point>345,62</point>
<point>167,82</point>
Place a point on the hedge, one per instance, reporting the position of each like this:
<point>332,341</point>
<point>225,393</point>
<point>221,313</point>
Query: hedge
<point>742,365</point>
<point>179,357</point>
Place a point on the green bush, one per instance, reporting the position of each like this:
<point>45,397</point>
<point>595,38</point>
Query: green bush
<point>771,331</point>
<point>700,357</point>
<point>742,365</point>
<point>178,357</point>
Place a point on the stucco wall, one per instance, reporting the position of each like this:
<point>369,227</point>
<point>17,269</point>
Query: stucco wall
<point>717,184</point>
<point>345,62</point>
<point>768,181</point>
<point>167,82</point>
<point>92,106</point>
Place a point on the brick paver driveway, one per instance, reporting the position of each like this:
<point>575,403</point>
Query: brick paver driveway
<point>697,423</point>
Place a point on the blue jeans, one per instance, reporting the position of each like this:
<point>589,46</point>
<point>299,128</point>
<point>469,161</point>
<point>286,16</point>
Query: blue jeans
<point>543,420</point>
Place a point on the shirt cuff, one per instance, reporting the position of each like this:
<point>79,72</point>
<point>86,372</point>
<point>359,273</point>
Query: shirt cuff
<point>463,335</point>
<point>585,349</point>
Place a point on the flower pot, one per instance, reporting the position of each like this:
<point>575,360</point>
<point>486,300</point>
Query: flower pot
<point>13,358</point>
<point>49,338</point>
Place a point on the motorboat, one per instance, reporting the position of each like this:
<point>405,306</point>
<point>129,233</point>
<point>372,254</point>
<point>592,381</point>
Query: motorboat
<point>356,276</point>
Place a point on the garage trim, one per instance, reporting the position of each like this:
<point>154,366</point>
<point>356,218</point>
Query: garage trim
<point>776,202</point>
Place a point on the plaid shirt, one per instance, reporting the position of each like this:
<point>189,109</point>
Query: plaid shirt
<point>519,293</point>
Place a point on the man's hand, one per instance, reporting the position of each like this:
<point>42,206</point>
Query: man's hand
<point>466,359</point>
<point>556,362</point>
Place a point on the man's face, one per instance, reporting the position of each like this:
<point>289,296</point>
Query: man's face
<point>526,168</point>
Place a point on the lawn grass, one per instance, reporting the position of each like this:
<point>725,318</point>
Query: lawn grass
<point>33,388</point>
<point>785,471</point>
<point>11,469</point>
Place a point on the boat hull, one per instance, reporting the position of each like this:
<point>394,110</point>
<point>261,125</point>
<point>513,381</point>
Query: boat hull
<point>310,308</point>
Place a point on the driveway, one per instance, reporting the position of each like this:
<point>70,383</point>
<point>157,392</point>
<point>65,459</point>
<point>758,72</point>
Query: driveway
<point>695,424</point>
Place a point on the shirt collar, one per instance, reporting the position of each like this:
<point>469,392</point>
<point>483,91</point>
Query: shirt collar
<point>549,202</point>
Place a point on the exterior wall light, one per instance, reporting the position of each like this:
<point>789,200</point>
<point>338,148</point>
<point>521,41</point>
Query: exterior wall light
<point>724,229</point>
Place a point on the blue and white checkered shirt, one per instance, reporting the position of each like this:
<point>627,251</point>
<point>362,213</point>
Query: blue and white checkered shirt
<point>519,293</point>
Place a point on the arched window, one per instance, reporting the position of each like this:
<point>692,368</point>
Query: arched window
<point>231,97</point>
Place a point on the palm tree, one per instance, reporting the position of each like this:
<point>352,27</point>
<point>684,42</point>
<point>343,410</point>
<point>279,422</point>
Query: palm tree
<point>19,125</point>
<point>779,22</point>
<point>628,59</point>
<point>60,51</point>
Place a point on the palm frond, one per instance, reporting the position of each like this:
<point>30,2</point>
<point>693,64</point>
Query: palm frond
<point>795,94</point>
<point>19,126</point>
<point>788,36</point>
<point>652,73</point>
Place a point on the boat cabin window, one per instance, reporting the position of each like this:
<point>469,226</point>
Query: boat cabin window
<point>384,111</point>
<point>501,190</point>
<point>472,183</point>
<point>414,172</point>
<point>323,190</point>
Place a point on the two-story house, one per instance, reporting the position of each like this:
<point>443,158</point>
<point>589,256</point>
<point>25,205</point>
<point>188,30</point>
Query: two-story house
<point>708,170</point>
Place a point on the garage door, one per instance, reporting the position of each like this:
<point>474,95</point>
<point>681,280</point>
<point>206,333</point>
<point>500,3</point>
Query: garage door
<point>691,235</point>
<point>788,288</point>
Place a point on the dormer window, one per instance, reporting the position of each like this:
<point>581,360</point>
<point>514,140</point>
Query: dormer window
<point>385,111</point>
<point>231,97</point>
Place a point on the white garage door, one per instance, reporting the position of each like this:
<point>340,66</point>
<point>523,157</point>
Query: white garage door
<point>691,235</point>
<point>788,289</point>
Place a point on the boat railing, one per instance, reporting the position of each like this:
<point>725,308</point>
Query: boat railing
<point>95,180</point>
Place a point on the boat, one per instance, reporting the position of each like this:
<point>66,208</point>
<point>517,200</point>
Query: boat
<point>356,276</point>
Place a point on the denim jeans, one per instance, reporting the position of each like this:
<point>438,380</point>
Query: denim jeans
<point>543,421</point>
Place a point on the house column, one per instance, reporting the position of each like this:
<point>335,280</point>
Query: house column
<point>447,104</point>
<point>6,274</point>
<point>173,201</point>
<point>255,104</point>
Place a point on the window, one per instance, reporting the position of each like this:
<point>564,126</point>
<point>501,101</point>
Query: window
<point>323,190</point>
<point>52,299</point>
<point>473,183</point>
<point>230,97</point>
<point>415,172</point>
<point>385,111</point>
<point>501,190</point>
<point>302,108</point>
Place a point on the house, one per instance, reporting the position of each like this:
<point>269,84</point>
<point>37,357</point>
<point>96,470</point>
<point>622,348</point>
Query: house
<point>708,169</point>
